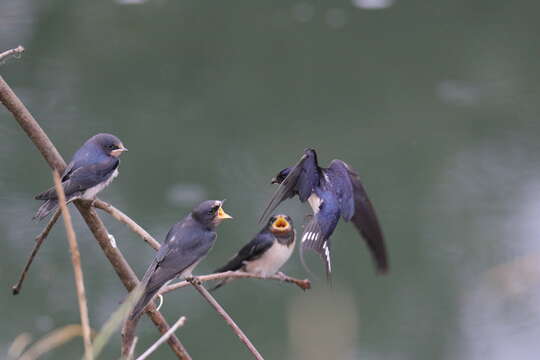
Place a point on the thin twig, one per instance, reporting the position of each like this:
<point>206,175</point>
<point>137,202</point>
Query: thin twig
<point>302,284</point>
<point>12,52</point>
<point>39,240</point>
<point>18,345</point>
<point>131,353</point>
<point>77,270</point>
<point>123,218</point>
<point>206,295</point>
<point>96,226</point>
<point>163,338</point>
<point>51,340</point>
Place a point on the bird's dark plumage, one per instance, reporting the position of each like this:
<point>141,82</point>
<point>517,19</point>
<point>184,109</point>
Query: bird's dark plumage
<point>267,252</point>
<point>91,169</point>
<point>332,192</point>
<point>186,244</point>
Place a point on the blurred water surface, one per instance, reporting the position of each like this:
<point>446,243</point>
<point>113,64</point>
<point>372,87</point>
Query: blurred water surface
<point>434,103</point>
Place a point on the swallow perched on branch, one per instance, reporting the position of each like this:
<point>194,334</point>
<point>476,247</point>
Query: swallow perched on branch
<point>267,252</point>
<point>186,244</point>
<point>93,167</point>
<point>332,193</point>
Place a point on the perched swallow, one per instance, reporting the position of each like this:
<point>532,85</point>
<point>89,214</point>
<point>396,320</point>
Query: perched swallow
<point>186,244</point>
<point>92,168</point>
<point>267,252</point>
<point>332,193</point>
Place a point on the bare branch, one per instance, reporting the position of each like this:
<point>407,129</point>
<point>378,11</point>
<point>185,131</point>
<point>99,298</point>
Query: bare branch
<point>163,338</point>
<point>77,270</point>
<point>206,295</point>
<point>96,226</point>
<point>123,218</point>
<point>12,52</point>
<point>39,240</point>
<point>131,353</point>
<point>303,284</point>
<point>51,340</point>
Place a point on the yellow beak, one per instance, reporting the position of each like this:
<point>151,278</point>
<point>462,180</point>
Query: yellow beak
<point>221,214</point>
<point>281,223</point>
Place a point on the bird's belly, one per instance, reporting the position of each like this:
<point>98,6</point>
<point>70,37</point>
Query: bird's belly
<point>315,202</point>
<point>271,261</point>
<point>91,193</point>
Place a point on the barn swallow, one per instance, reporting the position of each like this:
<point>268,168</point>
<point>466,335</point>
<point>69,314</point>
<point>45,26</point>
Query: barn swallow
<point>267,252</point>
<point>332,193</point>
<point>93,167</point>
<point>186,244</point>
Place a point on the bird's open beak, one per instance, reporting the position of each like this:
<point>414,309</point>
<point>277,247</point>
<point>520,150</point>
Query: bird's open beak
<point>281,224</point>
<point>274,181</point>
<point>222,215</point>
<point>119,151</point>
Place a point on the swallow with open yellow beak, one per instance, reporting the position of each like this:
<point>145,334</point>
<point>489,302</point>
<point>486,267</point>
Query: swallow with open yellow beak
<point>93,167</point>
<point>186,244</point>
<point>267,252</point>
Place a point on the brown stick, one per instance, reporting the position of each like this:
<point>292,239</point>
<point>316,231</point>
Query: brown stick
<point>123,218</point>
<point>302,284</point>
<point>12,52</point>
<point>77,270</point>
<point>15,289</point>
<point>163,338</point>
<point>96,226</point>
<point>206,295</point>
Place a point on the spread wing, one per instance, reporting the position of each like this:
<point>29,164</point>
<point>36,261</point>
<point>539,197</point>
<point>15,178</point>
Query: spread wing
<point>302,178</point>
<point>251,251</point>
<point>363,215</point>
<point>81,178</point>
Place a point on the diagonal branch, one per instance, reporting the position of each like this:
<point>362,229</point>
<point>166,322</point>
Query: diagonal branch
<point>206,295</point>
<point>96,226</point>
<point>77,271</point>
<point>302,284</point>
<point>123,218</point>
<point>39,240</point>
<point>163,338</point>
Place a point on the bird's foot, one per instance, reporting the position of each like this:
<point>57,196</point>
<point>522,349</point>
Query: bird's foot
<point>193,280</point>
<point>281,276</point>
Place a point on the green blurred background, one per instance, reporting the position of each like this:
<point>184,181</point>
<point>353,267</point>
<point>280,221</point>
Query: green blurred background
<point>435,103</point>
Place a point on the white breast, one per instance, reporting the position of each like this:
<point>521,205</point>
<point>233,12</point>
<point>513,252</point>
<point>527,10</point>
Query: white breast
<point>271,261</point>
<point>91,193</point>
<point>315,202</point>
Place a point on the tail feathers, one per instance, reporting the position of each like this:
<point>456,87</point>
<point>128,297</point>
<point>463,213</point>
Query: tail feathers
<point>45,209</point>
<point>234,264</point>
<point>220,284</point>
<point>145,299</point>
<point>47,195</point>
<point>314,239</point>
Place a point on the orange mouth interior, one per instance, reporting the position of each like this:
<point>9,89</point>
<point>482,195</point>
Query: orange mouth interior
<point>281,224</point>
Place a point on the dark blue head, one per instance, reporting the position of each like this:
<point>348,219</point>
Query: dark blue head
<point>109,144</point>
<point>281,176</point>
<point>210,213</point>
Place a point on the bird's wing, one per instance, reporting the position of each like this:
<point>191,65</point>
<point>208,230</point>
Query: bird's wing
<point>317,233</point>
<point>301,180</point>
<point>363,217</point>
<point>82,178</point>
<point>251,251</point>
<point>182,249</point>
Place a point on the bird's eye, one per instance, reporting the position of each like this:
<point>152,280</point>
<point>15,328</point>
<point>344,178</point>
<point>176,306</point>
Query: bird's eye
<point>213,210</point>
